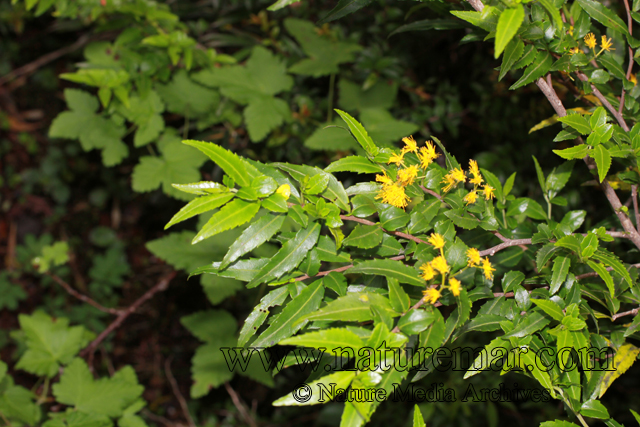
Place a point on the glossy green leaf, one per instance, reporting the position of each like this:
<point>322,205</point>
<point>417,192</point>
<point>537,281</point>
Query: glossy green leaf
<point>332,382</point>
<point>511,279</point>
<point>200,205</point>
<point>202,187</point>
<point>560,270</point>
<point>357,164</point>
<point>508,24</point>
<point>530,324</point>
<point>364,237</point>
<point>260,312</point>
<point>589,245</point>
<point>289,256</point>
<point>354,307</point>
<point>389,268</point>
<point>327,338</point>
<point>577,122</point>
<point>236,167</point>
<point>611,260</point>
<point>577,152</point>
<point>594,409</point>
<point>603,160</point>
<point>512,53</point>
<point>255,235</point>
<point>232,215</point>
<point>359,133</point>
<point>604,275</point>
<point>397,296</point>
<point>539,67</point>
<point>603,15</point>
<point>549,307</point>
<point>415,321</point>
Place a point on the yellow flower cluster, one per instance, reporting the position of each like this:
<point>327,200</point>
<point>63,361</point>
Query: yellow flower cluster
<point>438,265</point>
<point>457,175</point>
<point>590,40</point>
<point>474,260</point>
<point>393,192</point>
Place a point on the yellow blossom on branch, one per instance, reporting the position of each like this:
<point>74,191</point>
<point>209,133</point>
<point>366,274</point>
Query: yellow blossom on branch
<point>436,240</point>
<point>473,256</point>
<point>471,197</point>
<point>488,192</point>
<point>394,195</point>
<point>408,175</point>
<point>449,181</point>
<point>410,145</point>
<point>428,272</point>
<point>454,286</point>
<point>431,295</point>
<point>384,179</point>
<point>427,155</point>
<point>454,176</point>
<point>606,44</point>
<point>440,265</point>
<point>397,158</point>
<point>574,50</point>
<point>487,269</point>
<point>590,40</point>
<point>633,79</point>
<point>475,171</point>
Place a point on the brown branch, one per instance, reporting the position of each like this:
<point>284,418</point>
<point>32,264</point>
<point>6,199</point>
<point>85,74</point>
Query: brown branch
<point>67,287</point>
<point>394,233</point>
<point>176,391</point>
<point>433,193</point>
<point>604,101</point>
<point>634,196</point>
<point>625,313</point>
<point>162,285</point>
<point>244,412</point>
<point>630,67</point>
<point>340,269</point>
<point>504,245</point>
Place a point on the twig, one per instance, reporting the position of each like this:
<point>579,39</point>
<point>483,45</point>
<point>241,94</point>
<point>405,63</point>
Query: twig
<point>176,391</point>
<point>604,101</point>
<point>82,297</point>
<point>634,197</point>
<point>238,404</point>
<point>394,233</point>
<point>625,313</point>
<point>433,193</point>
<point>157,418</point>
<point>504,245</point>
<point>630,66</point>
<point>11,246</point>
<point>339,270</point>
<point>162,285</point>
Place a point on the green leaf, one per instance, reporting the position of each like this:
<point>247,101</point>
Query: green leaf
<point>594,409</point>
<point>577,152</point>
<point>418,421</point>
<point>106,396</point>
<point>280,4</point>
<point>325,53</point>
<point>17,403</point>
<point>237,168</point>
<point>332,382</point>
<point>327,338</point>
<point>549,307</point>
<point>589,245</point>
<point>511,280</point>
<point>289,256</point>
<point>182,96</point>
<point>354,307</point>
<point>560,270</point>
<point>484,359</point>
<point>264,114</point>
<point>344,8</point>
<point>50,343</point>
<point>209,326</point>
<point>232,215</point>
<point>415,321</point>
<point>389,268</point>
<point>577,122</point>
<point>603,160</point>
<point>508,24</point>
<point>611,260</point>
<point>604,275</point>
<point>512,53</point>
<point>553,12</point>
<point>545,253</point>
<point>397,296</point>
<point>603,15</point>
<point>255,235</point>
<point>198,206</point>
<point>276,203</point>
<point>531,323</point>
<point>357,164</point>
<point>569,242</point>
<point>614,67</point>
<point>364,237</point>
<point>287,323</point>
<point>558,423</point>
<point>201,188</point>
<point>540,174</point>
<point>260,312</point>
<point>359,133</point>
<point>468,223</point>
<point>539,67</point>
<point>622,361</point>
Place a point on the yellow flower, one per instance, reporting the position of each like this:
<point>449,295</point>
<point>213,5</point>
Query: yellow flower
<point>440,265</point>
<point>487,269</point>
<point>448,179</point>
<point>427,271</point>
<point>571,31</point>
<point>458,175</point>
<point>473,256</point>
<point>454,286</point>
<point>427,155</point>
<point>397,158</point>
<point>410,145</point>
<point>284,190</point>
<point>407,175</point>
<point>431,295</point>
<point>473,168</point>
<point>574,50</point>
<point>471,197</point>
<point>633,79</point>
<point>384,179</point>
<point>394,195</point>
<point>436,240</point>
<point>488,192</point>
<point>590,40</point>
<point>606,44</point>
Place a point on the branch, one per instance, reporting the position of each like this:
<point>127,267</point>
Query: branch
<point>176,391</point>
<point>504,245</point>
<point>593,273</point>
<point>630,67</point>
<point>625,313</point>
<point>244,412</point>
<point>394,233</point>
<point>340,269</point>
<point>162,285</point>
<point>634,196</point>
<point>604,101</point>
<point>67,287</point>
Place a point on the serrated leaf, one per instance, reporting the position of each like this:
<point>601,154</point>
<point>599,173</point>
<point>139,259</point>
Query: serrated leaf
<point>611,260</point>
<point>508,24</point>
<point>198,206</point>
<point>603,160</point>
<point>364,237</point>
<point>237,168</point>
<point>604,275</point>
<point>622,361</point>
<point>549,307</point>
<point>603,15</point>
<point>539,67</point>
<point>560,270</point>
<point>289,256</point>
<point>569,242</point>
<point>260,312</point>
<point>397,296</point>
<point>327,338</point>
<point>533,322</point>
<point>232,215</point>
<point>553,12</point>
<point>577,122</point>
<point>415,321</point>
<point>255,235</point>
<point>389,268</point>
<point>594,409</point>
<point>359,133</point>
<point>354,307</point>
<point>357,164</point>
<point>344,8</point>
<point>512,53</point>
<point>468,223</point>
<point>287,322</point>
<point>511,279</point>
<point>483,361</point>
<point>589,245</point>
<point>337,380</point>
